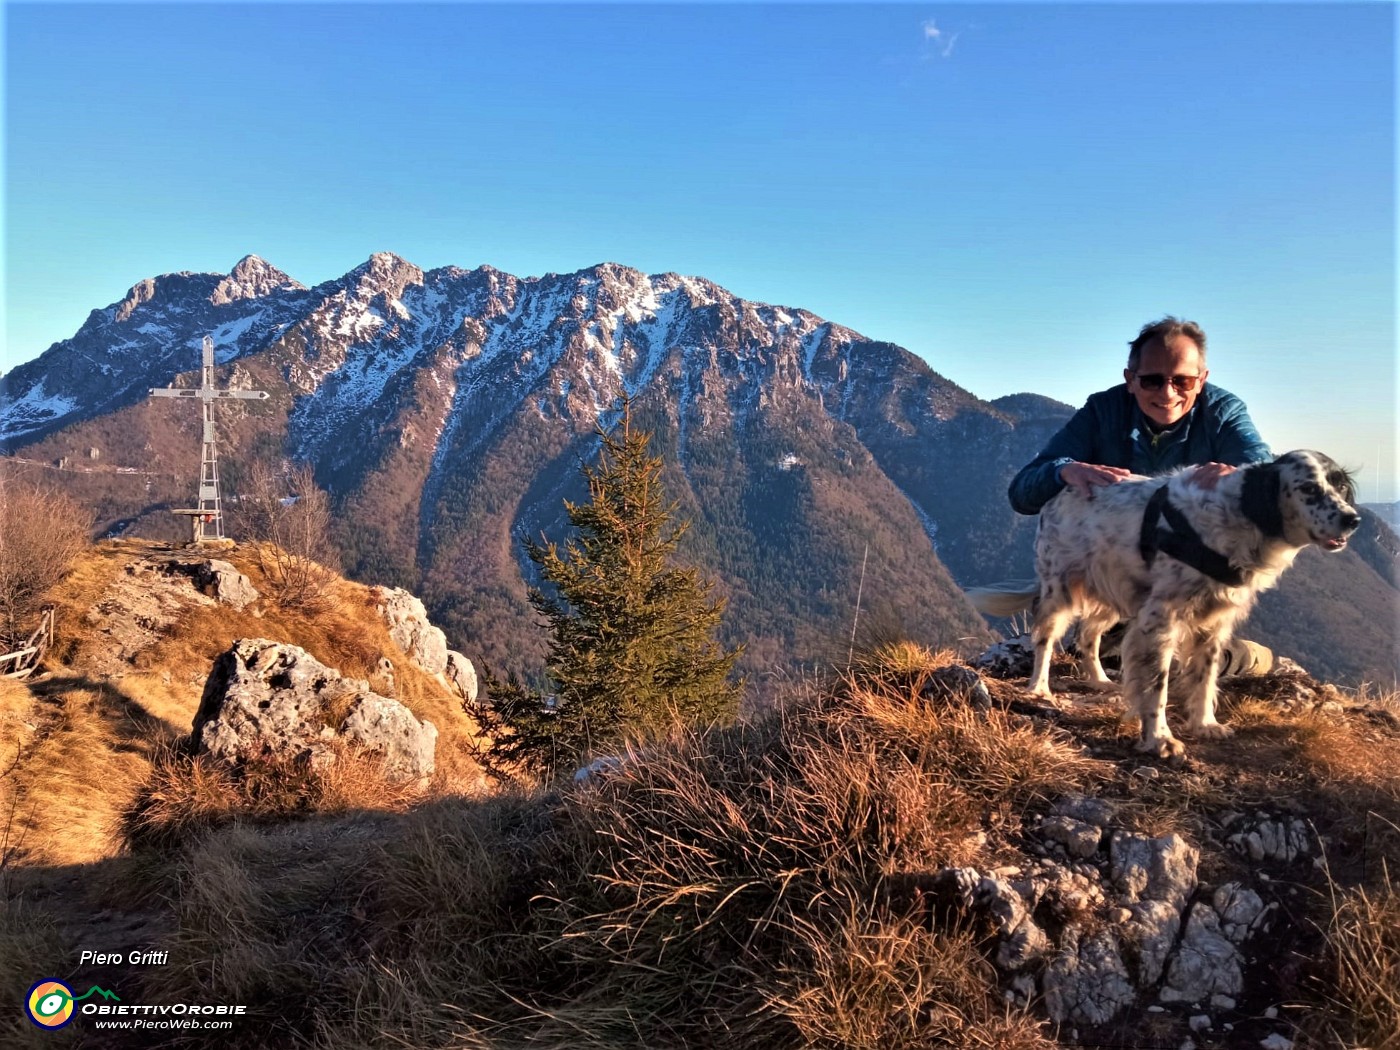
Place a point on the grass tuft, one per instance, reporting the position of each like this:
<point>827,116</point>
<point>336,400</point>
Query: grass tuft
<point>188,796</point>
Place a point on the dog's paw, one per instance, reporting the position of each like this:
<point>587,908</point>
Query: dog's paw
<point>1162,746</point>
<point>1106,685</point>
<point>1209,731</point>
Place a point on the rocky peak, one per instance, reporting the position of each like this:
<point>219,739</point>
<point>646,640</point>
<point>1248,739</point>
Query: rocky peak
<point>140,292</point>
<point>383,272</point>
<point>252,278</point>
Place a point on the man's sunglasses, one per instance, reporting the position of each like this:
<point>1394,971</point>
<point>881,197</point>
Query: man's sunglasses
<point>1155,381</point>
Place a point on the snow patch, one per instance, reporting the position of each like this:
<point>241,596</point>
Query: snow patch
<point>930,526</point>
<point>34,410</point>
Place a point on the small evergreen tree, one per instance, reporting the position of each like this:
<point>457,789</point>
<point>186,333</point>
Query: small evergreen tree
<point>633,644</point>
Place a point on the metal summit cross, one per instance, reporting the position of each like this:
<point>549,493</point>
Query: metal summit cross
<point>208,516</point>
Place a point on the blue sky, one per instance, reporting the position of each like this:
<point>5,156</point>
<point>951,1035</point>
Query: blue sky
<point>1009,191</point>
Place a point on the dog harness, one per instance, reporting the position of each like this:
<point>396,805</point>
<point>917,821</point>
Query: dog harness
<point>1165,529</point>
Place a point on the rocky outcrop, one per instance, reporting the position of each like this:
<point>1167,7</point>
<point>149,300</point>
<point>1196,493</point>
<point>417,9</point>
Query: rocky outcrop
<point>461,676</point>
<point>410,629</point>
<point>265,701</point>
<point>150,595</point>
<point>1109,919</point>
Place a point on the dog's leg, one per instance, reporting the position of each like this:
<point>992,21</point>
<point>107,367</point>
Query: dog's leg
<point>1051,619</point>
<point>1147,657</point>
<point>1091,630</point>
<point>1198,678</point>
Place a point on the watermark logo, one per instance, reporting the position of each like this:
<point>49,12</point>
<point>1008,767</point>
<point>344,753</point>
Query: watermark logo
<point>50,1002</point>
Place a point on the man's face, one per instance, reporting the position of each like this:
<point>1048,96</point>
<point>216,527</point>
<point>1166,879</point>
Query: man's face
<point>1178,356</point>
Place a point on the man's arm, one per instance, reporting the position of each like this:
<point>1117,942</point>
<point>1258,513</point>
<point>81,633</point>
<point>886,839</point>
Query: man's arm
<point>1039,481</point>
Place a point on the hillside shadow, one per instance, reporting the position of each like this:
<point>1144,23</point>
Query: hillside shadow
<point>135,729</point>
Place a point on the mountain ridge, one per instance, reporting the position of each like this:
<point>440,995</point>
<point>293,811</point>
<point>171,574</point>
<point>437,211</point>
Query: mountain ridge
<point>446,411</point>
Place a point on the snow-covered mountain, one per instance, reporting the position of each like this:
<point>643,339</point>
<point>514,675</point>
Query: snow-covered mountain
<point>447,411</point>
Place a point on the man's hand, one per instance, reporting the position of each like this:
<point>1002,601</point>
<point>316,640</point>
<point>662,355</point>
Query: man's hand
<point>1085,477</point>
<point>1208,475</point>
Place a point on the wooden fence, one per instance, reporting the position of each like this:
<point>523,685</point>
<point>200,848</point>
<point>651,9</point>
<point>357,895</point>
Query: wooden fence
<point>21,662</point>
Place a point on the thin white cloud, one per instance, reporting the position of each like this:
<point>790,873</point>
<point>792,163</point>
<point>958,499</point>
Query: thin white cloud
<point>941,41</point>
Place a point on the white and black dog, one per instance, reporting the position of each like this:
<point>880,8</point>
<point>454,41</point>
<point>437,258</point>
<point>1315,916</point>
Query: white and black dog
<point>1183,563</point>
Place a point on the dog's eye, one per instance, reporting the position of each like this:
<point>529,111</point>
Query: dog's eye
<point>1310,488</point>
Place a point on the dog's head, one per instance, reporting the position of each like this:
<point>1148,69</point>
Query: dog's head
<point>1302,497</point>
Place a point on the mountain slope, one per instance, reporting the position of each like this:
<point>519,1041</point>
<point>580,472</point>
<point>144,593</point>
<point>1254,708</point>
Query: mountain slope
<point>447,410</point>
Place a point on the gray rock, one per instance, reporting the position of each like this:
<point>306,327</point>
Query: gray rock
<point>1079,838</point>
<point>1086,982</point>
<point>1205,963</point>
<point>264,701</point>
<point>1148,938</point>
<point>960,883</point>
<point>1026,944</point>
<point>1095,811</point>
<point>598,769</point>
<point>1159,869</point>
<point>1273,838</point>
<point>378,724</point>
<point>1241,911</point>
<point>1068,894</point>
<point>423,643</point>
<point>461,676</point>
<point>1022,988</point>
<point>1011,658</point>
<point>957,683</point>
<point>221,581</point>
<point>1003,906</point>
<point>384,676</point>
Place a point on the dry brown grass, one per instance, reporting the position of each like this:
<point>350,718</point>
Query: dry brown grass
<point>18,726</point>
<point>1366,940</point>
<point>80,772</point>
<point>87,580</point>
<point>752,888</point>
<point>731,889</point>
<point>1363,956</point>
<point>187,796</point>
<point>877,983</point>
<point>30,950</point>
<point>78,751</point>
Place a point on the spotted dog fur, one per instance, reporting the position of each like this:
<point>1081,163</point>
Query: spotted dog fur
<point>1092,570</point>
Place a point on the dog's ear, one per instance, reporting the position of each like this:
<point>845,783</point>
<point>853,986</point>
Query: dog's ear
<point>1259,500</point>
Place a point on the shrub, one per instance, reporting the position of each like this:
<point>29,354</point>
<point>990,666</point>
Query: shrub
<point>41,533</point>
<point>291,515</point>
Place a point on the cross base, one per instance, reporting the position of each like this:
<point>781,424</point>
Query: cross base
<point>199,519</point>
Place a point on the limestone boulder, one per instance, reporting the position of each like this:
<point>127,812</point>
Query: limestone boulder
<point>411,630</point>
<point>378,724</point>
<point>1159,869</point>
<point>461,676</point>
<point>1206,961</point>
<point>1087,982</point>
<point>222,582</point>
<point>266,701</point>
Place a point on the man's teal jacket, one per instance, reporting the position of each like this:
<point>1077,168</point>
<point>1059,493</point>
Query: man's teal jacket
<point>1111,430</point>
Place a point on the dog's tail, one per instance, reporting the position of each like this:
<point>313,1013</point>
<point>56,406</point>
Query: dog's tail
<point>1004,599</point>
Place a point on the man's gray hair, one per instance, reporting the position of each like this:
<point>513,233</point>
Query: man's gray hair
<point>1161,331</point>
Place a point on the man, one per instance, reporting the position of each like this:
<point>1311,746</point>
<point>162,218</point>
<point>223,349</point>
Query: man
<point>1164,416</point>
